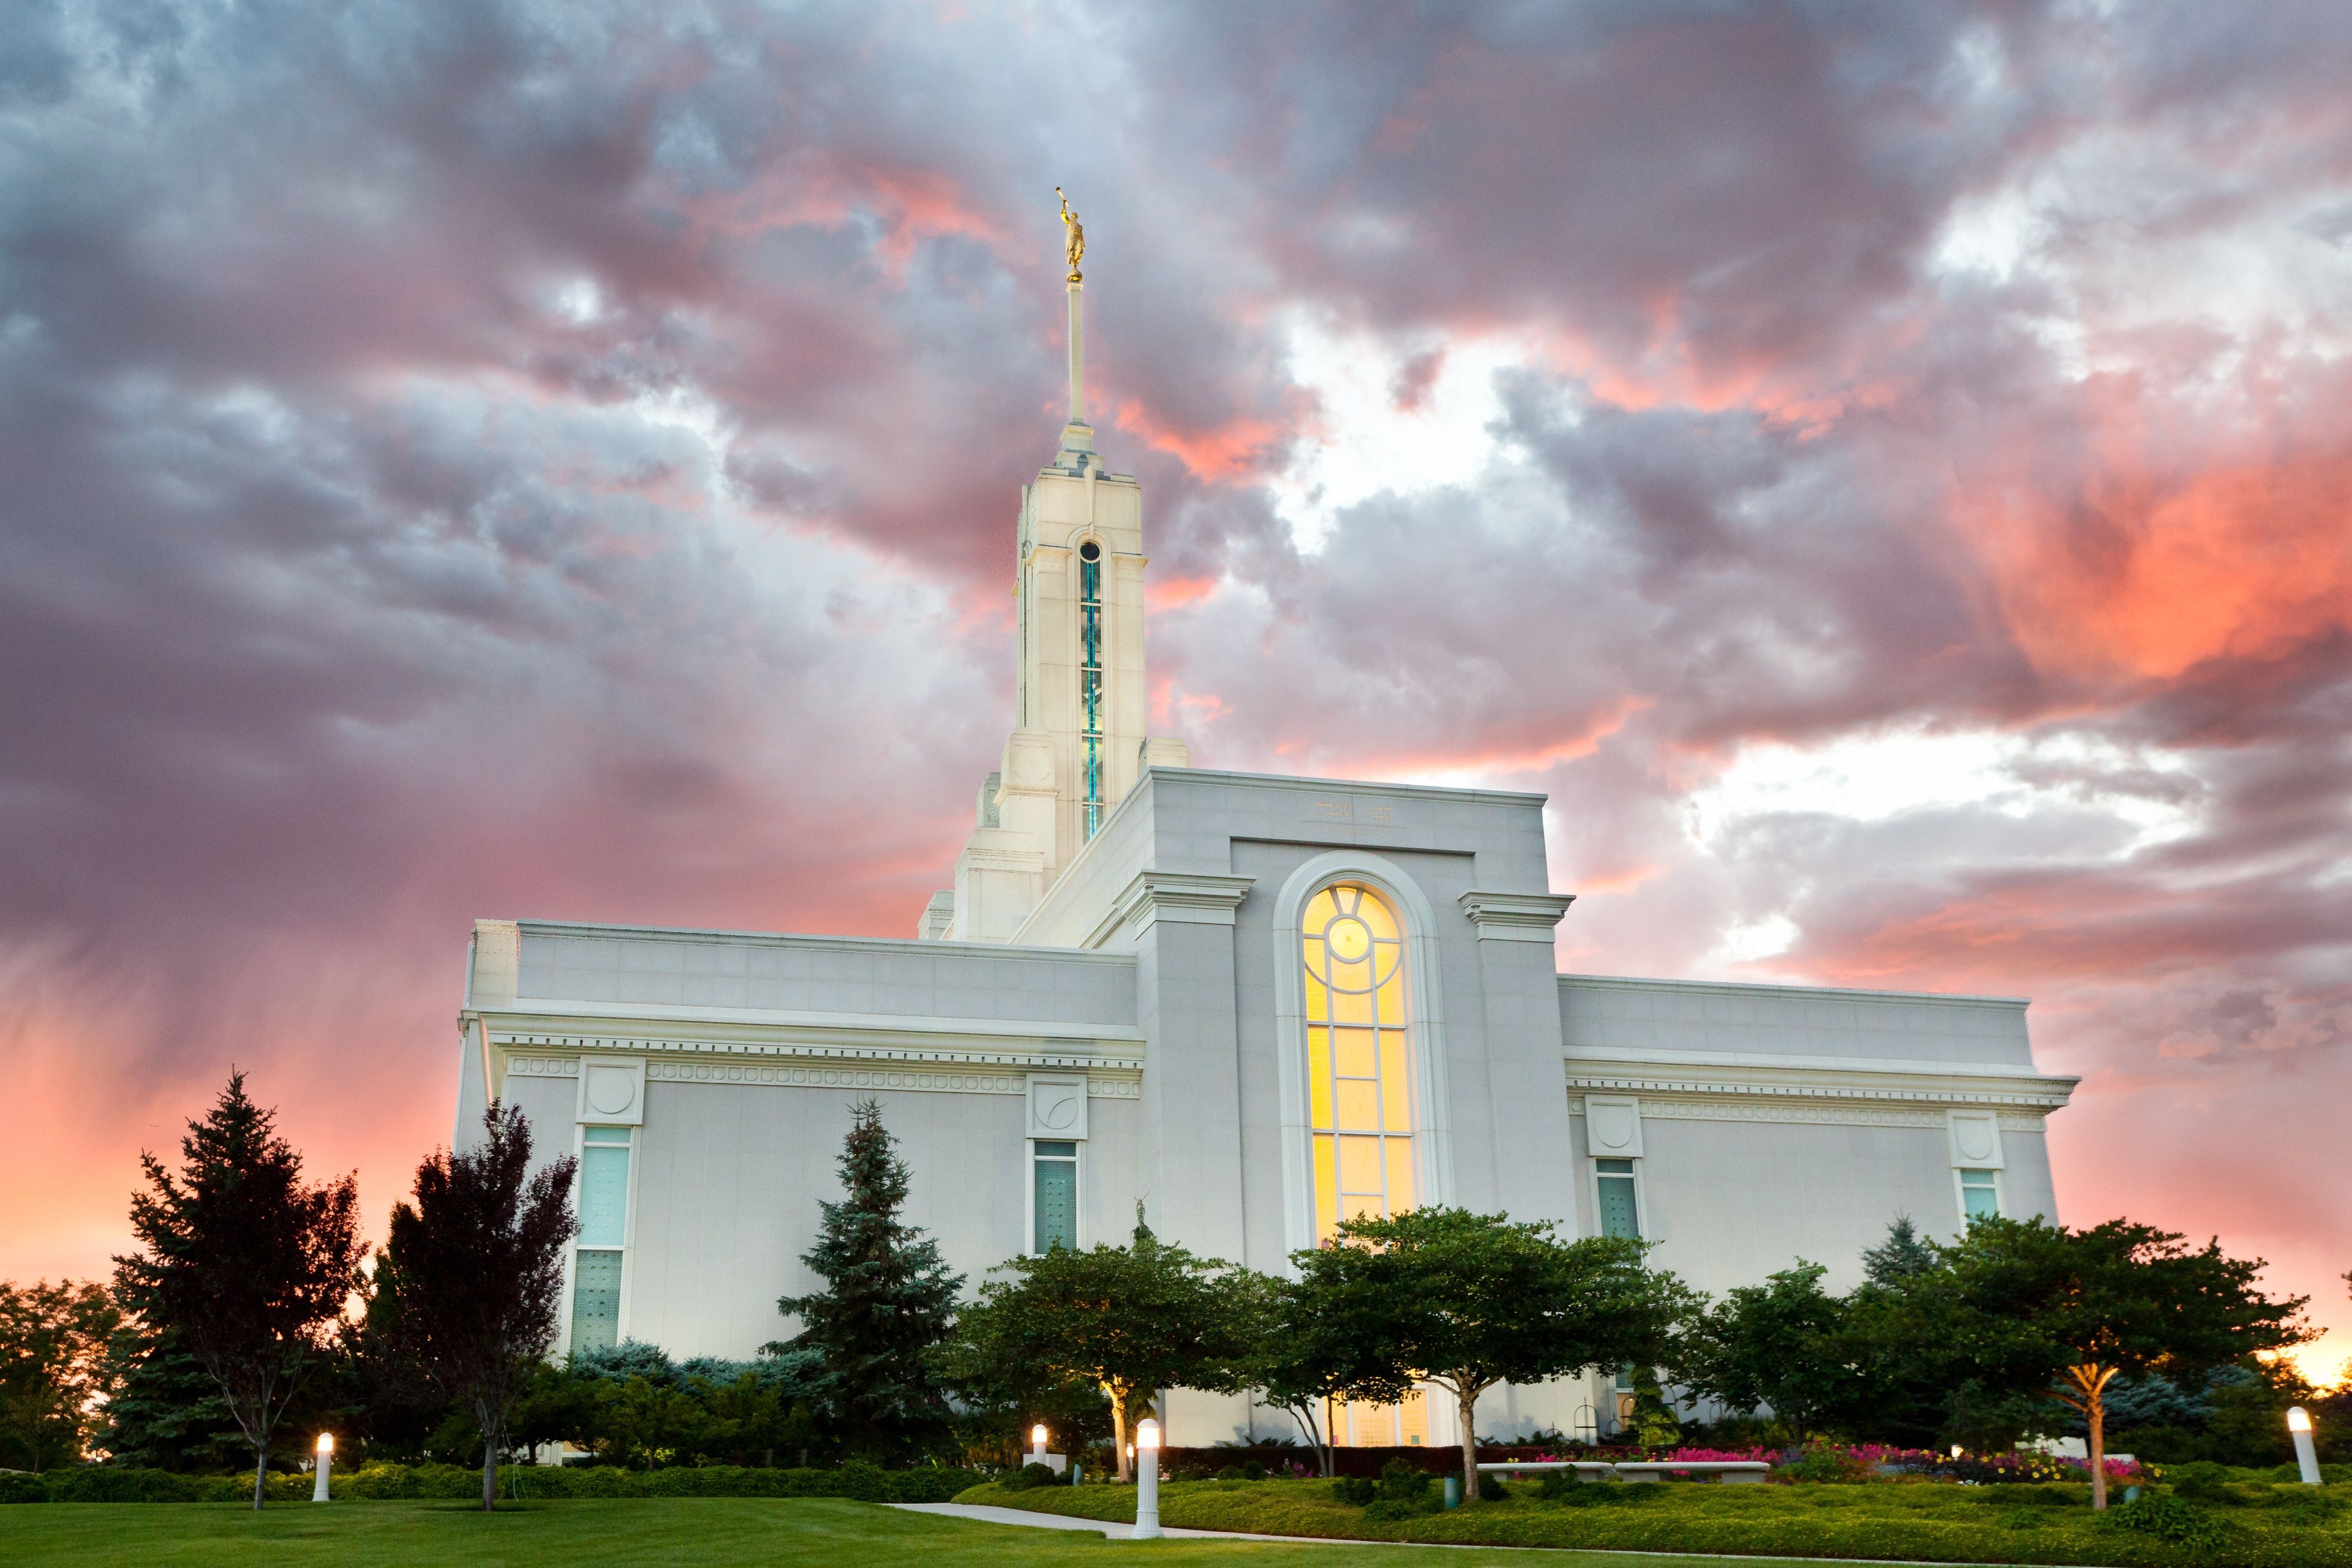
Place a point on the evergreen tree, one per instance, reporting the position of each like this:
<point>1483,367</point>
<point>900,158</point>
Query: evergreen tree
<point>166,1413</point>
<point>886,1300</point>
<point>243,1262</point>
<point>1903,1255</point>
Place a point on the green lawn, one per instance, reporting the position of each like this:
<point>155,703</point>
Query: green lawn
<point>2250,1525</point>
<point>705,1533</point>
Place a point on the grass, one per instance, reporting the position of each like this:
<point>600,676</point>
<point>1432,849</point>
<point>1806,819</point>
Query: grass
<point>703,1532</point>
<point>2254,1526</point>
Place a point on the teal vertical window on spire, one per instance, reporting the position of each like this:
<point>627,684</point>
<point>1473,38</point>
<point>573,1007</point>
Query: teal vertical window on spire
<point>1091,703</point>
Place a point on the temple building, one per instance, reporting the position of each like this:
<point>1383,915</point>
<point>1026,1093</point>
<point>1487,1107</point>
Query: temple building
<point>1255,1003</point>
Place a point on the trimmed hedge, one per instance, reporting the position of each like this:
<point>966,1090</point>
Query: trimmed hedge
<point>107,1483</point>
<point>1201,1463</point>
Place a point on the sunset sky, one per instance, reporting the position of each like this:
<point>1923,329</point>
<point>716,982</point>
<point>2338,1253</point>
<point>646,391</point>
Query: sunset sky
<point>1885,471</point>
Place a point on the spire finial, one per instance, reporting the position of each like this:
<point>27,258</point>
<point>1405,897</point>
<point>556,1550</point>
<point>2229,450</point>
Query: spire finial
<point>1076,436</point>
<point>1074,237</point>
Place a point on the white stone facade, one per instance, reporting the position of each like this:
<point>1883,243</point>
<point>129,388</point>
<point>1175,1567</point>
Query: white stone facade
<point>1125,1005</point>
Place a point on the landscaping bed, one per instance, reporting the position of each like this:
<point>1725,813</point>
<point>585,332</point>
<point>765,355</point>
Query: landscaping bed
<point>2248,1523</point>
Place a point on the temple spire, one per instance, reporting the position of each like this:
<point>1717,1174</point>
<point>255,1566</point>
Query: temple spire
<point>1077,436</point>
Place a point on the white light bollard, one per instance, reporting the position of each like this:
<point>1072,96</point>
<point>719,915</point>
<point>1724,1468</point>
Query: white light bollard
<point>326,1462</point>
<point>1147,1481</point>
<point>2306,1455</point>
<point>1037,1444</point>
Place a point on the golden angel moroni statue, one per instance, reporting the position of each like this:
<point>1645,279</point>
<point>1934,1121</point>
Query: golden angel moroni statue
<point>1074,237</point>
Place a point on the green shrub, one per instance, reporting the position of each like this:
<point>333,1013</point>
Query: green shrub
<point>18,1488</point>
<point>2171,1518</point>
<point>931,1483</point>
<point>1401,1482</point>
<point>1389,1509</point>
<point>1491,1489</point>
<point>106,1483</point>
<point>1356,1491</point>
<point>1252,1471</point>
<point>1556,1485</point>
<point>1028,1477</point>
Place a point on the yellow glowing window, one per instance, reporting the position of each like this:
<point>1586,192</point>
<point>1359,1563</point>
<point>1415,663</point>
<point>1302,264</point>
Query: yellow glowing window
<point>1358,1098</point>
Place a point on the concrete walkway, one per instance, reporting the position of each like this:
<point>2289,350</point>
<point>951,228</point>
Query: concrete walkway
<point>1110,1529</point>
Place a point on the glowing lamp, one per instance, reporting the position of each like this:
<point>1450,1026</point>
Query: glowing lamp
<point>326,1452</point>
<point>1147,1481</point>
<point>2306,1455</point>
<point>1037,1437</point>
<point>326,1442</point>
<point>1956,1450</point>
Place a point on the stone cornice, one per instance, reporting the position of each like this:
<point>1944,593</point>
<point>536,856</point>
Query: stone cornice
<point>1940,1084</point>
<point>1182,896</point>
<point>1814,993</point>
<point>1298,785</point>
<point>841,1037</point>
<point>1515,917</point>
<point>818,1075</point>
<point>1814,1113</point>
<point>998,950</point>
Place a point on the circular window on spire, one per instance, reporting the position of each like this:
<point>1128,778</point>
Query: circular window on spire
<point>1089,551</point>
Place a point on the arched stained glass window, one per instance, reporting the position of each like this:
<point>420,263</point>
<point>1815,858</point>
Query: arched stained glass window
<point>1359,1044</point>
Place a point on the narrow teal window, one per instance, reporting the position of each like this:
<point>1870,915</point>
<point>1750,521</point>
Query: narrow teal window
<point>604,1187</point>
<point>1980,1195</point>
<point>1090,675</point>
<point>1619,1214</point>
<point>1057,1195</point>
<point>595,1299</point>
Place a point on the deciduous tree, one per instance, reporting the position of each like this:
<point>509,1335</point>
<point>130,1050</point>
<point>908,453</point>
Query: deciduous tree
<point>1287,1354</point>
<point>1131,1321</point>
<point>1464,1301</point>
<point>247,1266</point>
<point>474,1267</point>
<point>1781,1343</point>
<point>2024,1303</point>
<point>53,1368</point>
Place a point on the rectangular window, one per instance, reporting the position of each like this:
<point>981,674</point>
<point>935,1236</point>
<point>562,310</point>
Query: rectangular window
<point>1619,1214</point>
<point>1055,1167</point>
<point>604,1187</point>
<point>595,1299</point>
<point>1980,1195</point>
<point>604,1200</point>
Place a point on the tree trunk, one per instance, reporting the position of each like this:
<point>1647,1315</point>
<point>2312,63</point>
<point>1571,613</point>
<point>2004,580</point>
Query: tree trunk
<point>260,1472</point>
<point>1312,1430</point>
<point>1119,1436</point>
<point>1468,1396</point>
